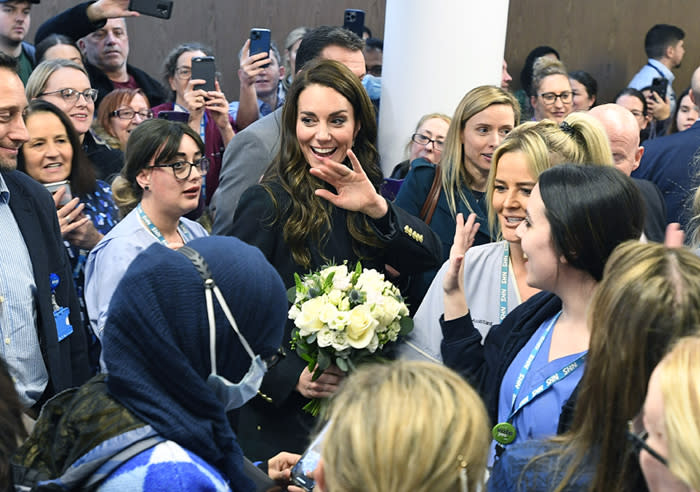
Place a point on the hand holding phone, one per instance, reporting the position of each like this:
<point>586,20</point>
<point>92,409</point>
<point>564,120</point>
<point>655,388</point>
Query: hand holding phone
<point>660,86</point>
<point>204,68</point>
<point>259,42</point>
<point>54,187</point>
<point>308,463</point>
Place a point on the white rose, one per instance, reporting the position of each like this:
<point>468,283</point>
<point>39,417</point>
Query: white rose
<point>344,304</point>
<point>361,327</point>
<point>308,320</point>
<point>327,313</point>
<point>294,312</point>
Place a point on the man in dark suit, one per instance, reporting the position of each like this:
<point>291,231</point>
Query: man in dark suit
<point>43,339</point>
<point>623,134</point>
<point>672,163</point>
<point>253,149</point>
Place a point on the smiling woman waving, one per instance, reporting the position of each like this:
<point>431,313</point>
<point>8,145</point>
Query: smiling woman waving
<point>319,204</point>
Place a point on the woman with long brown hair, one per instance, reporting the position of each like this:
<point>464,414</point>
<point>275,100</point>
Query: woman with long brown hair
<point>319,204</point>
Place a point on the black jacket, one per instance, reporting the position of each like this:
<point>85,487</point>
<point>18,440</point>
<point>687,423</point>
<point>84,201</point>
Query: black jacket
<point>485,365</point>
<point>66,361</point>
<point>75,24</point>
<point>278,423</point>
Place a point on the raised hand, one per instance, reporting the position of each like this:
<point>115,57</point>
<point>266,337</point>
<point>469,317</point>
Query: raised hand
<point>453,283</point>
<point>109,9</point>
<point>354,190</point>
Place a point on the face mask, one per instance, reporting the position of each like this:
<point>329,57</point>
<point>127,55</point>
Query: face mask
<point>231,395</point>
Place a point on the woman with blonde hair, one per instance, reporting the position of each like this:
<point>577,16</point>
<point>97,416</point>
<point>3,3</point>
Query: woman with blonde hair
<point>483,118</point>
<point>668,430</point>
<point>494,273</point>
<point>405,426</point>
<point>649,296</point>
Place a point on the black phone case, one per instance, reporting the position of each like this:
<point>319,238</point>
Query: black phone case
<point>660,86</point>
<point>354,20</point>
<point>162,9</point>
<point>203,67</point>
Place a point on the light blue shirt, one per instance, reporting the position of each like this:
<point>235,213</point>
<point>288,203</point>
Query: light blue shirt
<point>648,73</point>
<point>540,418</point>
<point>263,108</point>
<point>20,341</point>
<point>110,258</point>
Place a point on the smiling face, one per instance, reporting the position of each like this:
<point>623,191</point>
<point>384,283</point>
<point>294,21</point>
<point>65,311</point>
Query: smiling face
<point>326,124</point>
<point>434,129</point>
<point>122,128</point>
<point>13,132</point>
<point>535,235</point>
<point>482,133</point>
<point>48,153</point>
<point>79,111</point>
<point>170,196</point>
<point>687,114</point>
<point>657,475</point>
<point>513,185</point>
<point>558,109</point>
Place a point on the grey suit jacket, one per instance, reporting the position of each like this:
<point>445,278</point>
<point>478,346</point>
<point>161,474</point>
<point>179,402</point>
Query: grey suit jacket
<point>246,158</point>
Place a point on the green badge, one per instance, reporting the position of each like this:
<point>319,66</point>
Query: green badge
<point>503,433</point>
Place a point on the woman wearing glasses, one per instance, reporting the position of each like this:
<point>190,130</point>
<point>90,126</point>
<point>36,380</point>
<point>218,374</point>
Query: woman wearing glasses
<point>426,142</point>
<point>551,95</point>
<point>483,118</point>
<point>160,183</point>
<point>66,85</point>
<point>119,113</point>
<point>208,111</point>
<point>649,297</point>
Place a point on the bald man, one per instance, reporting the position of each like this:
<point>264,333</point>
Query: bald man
<point>673,162</point>
<point>623,134</point>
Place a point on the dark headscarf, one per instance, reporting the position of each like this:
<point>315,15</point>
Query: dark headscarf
<point>156,342</point>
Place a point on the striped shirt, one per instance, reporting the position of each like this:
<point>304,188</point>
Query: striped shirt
<point>18,314</point>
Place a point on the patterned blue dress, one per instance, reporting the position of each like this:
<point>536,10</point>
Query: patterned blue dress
<point>103,213</point>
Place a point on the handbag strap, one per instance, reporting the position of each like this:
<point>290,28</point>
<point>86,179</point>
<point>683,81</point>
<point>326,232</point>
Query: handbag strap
<point>426,213</point>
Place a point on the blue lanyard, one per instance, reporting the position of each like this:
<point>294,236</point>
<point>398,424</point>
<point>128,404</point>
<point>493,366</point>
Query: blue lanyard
<point>154,230</point>
<point>503,310</point>
<point>657,70</point>
<point>550,381</point>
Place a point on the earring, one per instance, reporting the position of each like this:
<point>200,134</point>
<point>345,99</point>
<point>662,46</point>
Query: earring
<point>146,187</point>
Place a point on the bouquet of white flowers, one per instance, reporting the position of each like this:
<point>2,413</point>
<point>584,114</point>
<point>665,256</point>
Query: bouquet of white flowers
<point>344,318</point>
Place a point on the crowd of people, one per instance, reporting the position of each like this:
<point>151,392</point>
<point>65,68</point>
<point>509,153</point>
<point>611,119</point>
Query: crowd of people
<point>546,243</point>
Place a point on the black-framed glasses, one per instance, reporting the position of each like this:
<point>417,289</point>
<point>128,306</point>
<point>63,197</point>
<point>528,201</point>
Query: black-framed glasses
<point>72,95</point>
<point>275,358</point>
<point>550,97</point>
<point>130,114</point>
<point>421,139</point>
<point>183,169</point>
<point>638,435</point>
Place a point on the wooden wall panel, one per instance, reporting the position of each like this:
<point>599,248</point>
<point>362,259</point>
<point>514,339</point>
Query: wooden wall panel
<point>224,25</point>
<point>603,37</point>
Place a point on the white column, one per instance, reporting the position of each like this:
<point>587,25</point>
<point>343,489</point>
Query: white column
<point>434,53</point>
